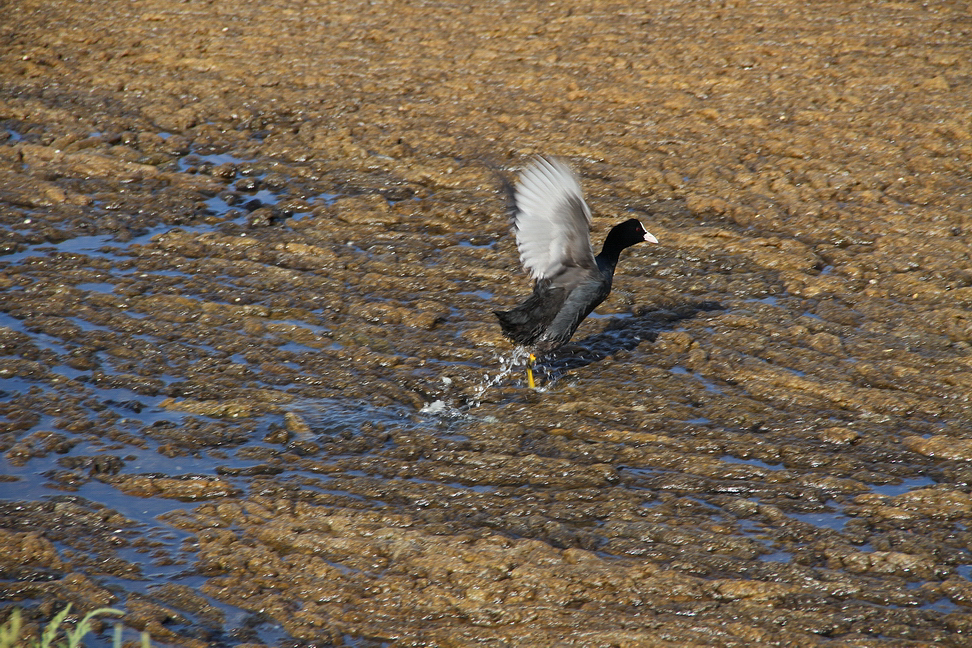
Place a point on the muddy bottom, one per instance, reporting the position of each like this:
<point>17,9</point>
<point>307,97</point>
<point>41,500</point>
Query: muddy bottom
<point>252,392</point>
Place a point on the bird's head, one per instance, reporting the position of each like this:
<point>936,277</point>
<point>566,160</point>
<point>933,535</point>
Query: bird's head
<point>631,232</point>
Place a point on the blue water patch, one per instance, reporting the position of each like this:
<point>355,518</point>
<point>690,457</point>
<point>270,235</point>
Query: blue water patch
<point>640,472</point>
<point>215,159</point>
<point>769,300</point>
<point>749,462</point>
<point>164,273</point>
<point>139,509</point>
<point>88,245</point>
<point>296,216</point>
<point>218,205</point>
<point>91,244</point>
<point>324,197</point>
<point>756,531</point>
<point>470,244</point>
<point>943,605</point>
<point>327,416</point>
<point>906,485</point>
<point>97,245</point>
<point>823,519</point>
<point>297,347</point>
<point>11,387</point>
<point>317,329</point>
<point>130,404</point>
<point>750,526</point>
<point>481,294</point>
<point>96,286</point>
<point>41,340</point>
<point>611,315</point>
<point>70,372</point>
<point>266,196</point>
<point>476,488</point>
<point>322,484</point>
<point>702,502</point>
<point>9,321</point>
<point>87,326</point>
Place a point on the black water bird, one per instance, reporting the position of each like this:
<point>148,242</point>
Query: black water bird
<point>552,224</point>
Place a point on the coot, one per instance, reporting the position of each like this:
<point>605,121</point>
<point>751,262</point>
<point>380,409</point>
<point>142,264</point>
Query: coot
<point>552,224</point>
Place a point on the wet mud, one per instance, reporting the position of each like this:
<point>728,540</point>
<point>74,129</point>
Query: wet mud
<point>253,392</point>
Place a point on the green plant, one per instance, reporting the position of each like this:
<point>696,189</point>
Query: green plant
<point>10,631</point>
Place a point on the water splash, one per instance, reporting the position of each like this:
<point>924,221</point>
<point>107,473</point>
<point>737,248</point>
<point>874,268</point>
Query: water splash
<point>515,361</point>
<point>508,365</point>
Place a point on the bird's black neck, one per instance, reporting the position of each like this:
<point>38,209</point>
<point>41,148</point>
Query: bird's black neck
<point>607,260</point>
<point>611,252</point>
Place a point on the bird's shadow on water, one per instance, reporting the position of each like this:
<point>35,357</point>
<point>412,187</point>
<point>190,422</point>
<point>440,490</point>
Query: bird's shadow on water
<point>622,334</point>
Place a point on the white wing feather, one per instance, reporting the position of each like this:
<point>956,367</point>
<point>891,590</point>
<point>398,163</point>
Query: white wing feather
<point>552,220</point>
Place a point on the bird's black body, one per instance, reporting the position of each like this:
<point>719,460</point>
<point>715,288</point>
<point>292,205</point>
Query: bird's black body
<point>552,224</point>
<point>550,316</point>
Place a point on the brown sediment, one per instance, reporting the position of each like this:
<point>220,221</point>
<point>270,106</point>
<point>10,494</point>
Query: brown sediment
<point>249,255</point>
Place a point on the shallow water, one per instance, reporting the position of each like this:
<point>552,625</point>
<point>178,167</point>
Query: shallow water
<point>251,390</point>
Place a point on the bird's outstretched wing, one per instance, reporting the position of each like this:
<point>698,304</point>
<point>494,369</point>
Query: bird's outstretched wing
<point>552,220</point>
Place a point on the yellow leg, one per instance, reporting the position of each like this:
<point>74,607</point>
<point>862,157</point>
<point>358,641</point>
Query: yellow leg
<point>530,362</point>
